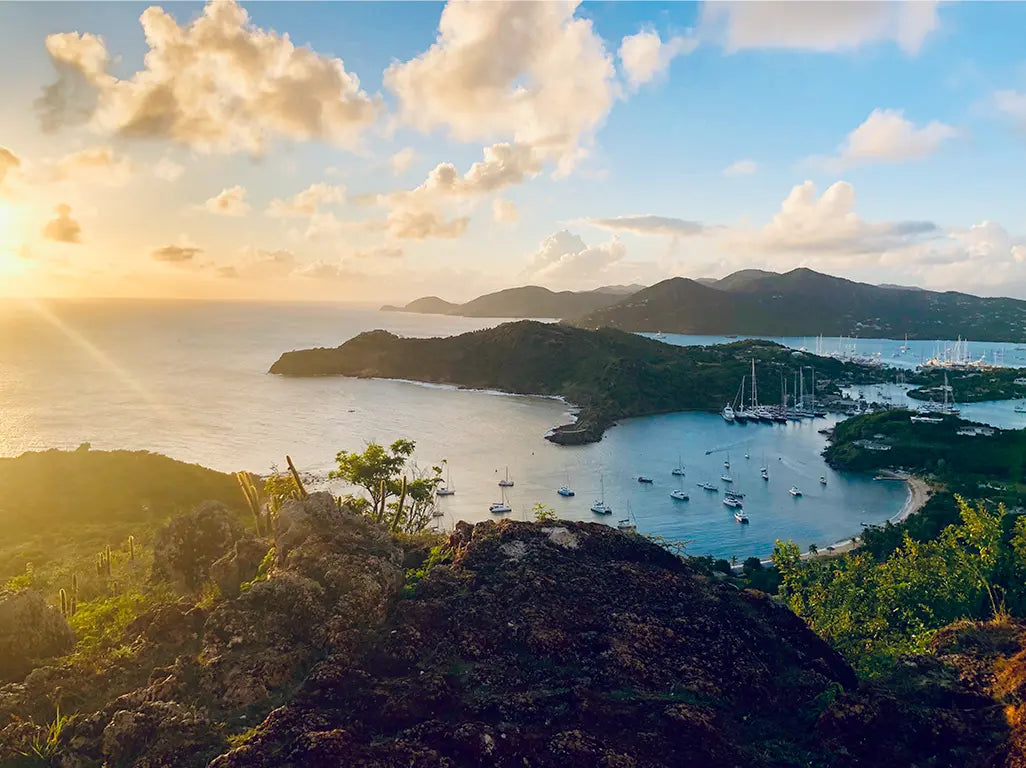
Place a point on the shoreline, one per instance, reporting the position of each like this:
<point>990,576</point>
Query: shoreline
<point>919,492</point>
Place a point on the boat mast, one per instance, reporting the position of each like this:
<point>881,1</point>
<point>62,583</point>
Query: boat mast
<point>755,399</point>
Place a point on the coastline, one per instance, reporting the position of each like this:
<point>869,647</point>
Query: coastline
<point>919,492</point>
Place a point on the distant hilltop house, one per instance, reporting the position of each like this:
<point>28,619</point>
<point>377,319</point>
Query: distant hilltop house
<point>1020,382</point>
<point>976,431</point>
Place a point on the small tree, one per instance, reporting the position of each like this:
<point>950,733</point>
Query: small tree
<point>380,472</point>
<point>813,549</point>
<point>543,513</point>
<point>751,564</point>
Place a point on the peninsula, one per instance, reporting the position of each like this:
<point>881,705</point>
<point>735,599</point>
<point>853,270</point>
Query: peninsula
<point>608,373</point>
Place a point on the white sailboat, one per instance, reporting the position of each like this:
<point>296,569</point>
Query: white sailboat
<point>628,524</point>
<point>506,483</point>
<point>565,489</point>
<point>678,471</point>
<point>600,507</point>
<point>500,507</point>
<point>447,489</point>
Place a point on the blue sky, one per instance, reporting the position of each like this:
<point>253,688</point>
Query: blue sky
<point>877,141</point>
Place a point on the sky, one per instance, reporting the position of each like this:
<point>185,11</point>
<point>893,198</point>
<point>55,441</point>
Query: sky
<point>383,151</point>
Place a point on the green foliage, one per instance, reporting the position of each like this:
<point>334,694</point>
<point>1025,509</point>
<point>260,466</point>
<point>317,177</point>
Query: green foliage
<point>440,553</point>
<point>874,612</point>
<point>45,745</point>
<point>263,570</point>
<point>100,624</point>
<point>400,493</point>
<point>543,513</point>
<point>723,566</point>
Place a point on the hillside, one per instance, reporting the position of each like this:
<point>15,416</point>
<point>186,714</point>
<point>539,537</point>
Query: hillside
<point>548,645</point>
<point>807,303</point>
<point>526,301</point>
<point>609,373</point>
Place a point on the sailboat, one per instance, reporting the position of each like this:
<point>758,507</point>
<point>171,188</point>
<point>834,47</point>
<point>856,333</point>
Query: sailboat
<point>447,489</point>
<point>600,507</point>
<point>500,507</point>
<point>794,491</point>
<point>678,471</point>
<point>726,462</point>
<point>628,524</point>
<point>764,470</point>
<point>741,517</point>
<point>565,489</point>
<point>728,413</point>
<point>740,415</point>
<point>707,486</point>
<point>679,494</point>
<point>506,483</point>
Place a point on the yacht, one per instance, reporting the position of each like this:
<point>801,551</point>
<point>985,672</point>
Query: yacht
<point>765,473</point>
<point>1021,407</point>
<point>793,490</point>
<point>726,462</point>
<point>707,486</point>
<point>732,502</point>
<point>627,526</point>
<point>726,478</point>
<point>728,413</point>
<point>600,507</point>
<point>678,471</point>
<point>643,479</point>
<point>822,479</point>
<point>447,489</point>
<point>679,495</point>
<point>741,517</point>
<point>500,507</point>
<point>917,418</point>
<point>506,482</point>
<point>565,489</point>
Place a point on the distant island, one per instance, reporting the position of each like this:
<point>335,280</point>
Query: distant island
<point>754,302</point>
<point>529,301</point>
<point>608,373</point>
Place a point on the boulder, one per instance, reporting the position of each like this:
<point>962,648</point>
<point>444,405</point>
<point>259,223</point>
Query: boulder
<point>30,630</point>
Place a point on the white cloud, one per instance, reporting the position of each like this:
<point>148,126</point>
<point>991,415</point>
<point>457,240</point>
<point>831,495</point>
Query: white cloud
<point>887,136</point>
<point>564,259</point>
<point>819,26</point>
<point>228,202</point>
<point>649,224</point>
<point>218,84</point>
<point>645,56</point>
<point>529,72</point>
<point>307,202</point>
<point>168,170</point>
<point>62,228</point>
<point>504,211</point>
<point>1012,104</point>
<point>421,225</point>
<point>741,168</point>
<point>95,165</point>
<point>176,254</point>
<point>402,160</point>
<point>258,264</point>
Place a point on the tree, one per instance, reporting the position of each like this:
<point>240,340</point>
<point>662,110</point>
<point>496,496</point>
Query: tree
<point>380,472</point>
<point>751,564</point>
<point>543,513</point>
<point>813,549</point>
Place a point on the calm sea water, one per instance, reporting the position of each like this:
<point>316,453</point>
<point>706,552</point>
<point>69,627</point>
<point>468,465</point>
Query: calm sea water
<point>189,380</point>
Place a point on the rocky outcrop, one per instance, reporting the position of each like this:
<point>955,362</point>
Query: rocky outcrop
<point>568,644</point>
<point>188,545</point>
<point>547,645</point>
<point>30,631</point>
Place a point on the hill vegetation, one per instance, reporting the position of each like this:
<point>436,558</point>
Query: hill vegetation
<point>526,301</point>
<point>608,373</point>
<point>806,303</point>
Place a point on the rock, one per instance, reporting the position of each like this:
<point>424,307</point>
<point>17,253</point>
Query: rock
<point>30,630</point>
<point>238,565</point>
<point>160,734</point>
<point>187,546</point>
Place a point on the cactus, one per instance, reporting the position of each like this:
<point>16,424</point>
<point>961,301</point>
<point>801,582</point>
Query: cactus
<point>131,548</point>
<point>379,514</point>
<point>295,476</point>
<point>63,595</point>
<point>399,508</point>
<point>253,500</point>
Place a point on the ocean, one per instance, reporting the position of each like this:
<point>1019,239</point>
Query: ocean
<point>189,379</point>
